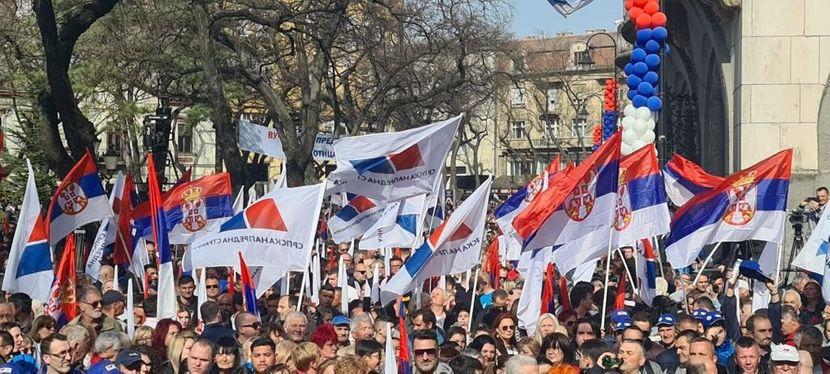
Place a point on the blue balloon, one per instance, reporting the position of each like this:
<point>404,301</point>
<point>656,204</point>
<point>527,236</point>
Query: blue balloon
<point>654,103</point>
<point>630,94</point>
<point>667,49</point>
<point>645,89</point>
<point>652,62</point>
<point>651,77</point>
<point>633,81</point>
<point>639,101</point>
<point>660,34</point>
<point>640,69</point>
<point>638,55</point>
<point>652,46</point>
<point>628,69</point>
<point>644,35</point>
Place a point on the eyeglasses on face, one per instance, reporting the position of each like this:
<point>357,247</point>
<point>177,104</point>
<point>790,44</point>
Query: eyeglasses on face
<point>255,325</point>
<point>427,351</point>
<point>95,304</point>
<point>211,286</point>
<point>63,354</point>
<point>508,328</point>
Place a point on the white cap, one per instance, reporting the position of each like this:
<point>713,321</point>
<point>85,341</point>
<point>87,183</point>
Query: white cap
<point>783,352</point>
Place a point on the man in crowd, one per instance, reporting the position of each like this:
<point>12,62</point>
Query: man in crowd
<point>187,287</point>
<point>212,289</point>
<point>213,328</point>
<point>425,353</point>
<point>247,327</point>
<point>295,326</point>
<point>112,305</point>
<point>263,355</point>
<point>200,359</point>
<point>747,356</point>
<point>342,326</point>
<point>56,355</point>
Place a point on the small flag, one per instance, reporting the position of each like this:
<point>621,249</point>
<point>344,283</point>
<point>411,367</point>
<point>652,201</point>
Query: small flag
<point>62,305</point>
<point>166,289</point>
<point>248,288</point>
<point>79,199</point>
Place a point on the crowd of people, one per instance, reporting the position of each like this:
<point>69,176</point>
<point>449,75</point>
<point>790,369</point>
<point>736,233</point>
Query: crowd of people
<point>702,321</point>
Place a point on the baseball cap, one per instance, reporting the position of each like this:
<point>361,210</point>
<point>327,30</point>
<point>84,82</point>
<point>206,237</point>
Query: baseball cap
<point>127,357</point>
<point>340,320</point>
<point>621,319</point>
<point>104,367</point>
<point>783,352</point>
<point>666,319</point>
<point>111,297</point>
<point>711,319</point>
<point>700,314</point>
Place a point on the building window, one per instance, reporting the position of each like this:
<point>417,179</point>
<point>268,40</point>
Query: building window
<point>552,128</point>
<point>518,96</point>
<point>579,57</point>
<point>517,130</point>
<point>553,105</point>
<point>115,141</point>
<point>522,167</point>
<point>184,138</point>
<point>579,127</point>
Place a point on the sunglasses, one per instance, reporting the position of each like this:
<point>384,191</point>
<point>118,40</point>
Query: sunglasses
<point>569,323</point>
<point>255,325</point>
<point>428,351</point>
<point>211,286</point>
<point>94,305</point>
<point>360,271</point>
<point>508,328</point>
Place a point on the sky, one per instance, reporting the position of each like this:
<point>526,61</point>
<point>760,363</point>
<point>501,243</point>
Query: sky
<point>532,17</point>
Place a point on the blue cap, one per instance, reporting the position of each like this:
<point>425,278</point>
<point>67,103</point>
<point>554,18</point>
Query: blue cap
<point>666,319</point>
<point>752,270</point>
<point>341,320</point>
<point>127,357</point>
<point>700,314</point>
<point>11,368</point>
<point>621,319</point>
<point>712,318</point>
<point>105,367</point>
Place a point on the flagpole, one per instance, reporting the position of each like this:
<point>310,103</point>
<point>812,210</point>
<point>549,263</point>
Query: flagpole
<point>472,301</point>
<point>706,261</point>
<point>780,258</point>
<point>656,242</point>
<point>605,289</point>
<point>628,271</point>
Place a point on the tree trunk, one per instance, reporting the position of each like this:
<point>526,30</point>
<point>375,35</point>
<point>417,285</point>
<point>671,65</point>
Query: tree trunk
<point>221,116</point>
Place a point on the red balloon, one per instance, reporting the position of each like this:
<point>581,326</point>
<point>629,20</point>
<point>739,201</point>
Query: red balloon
<point>651,8</point>
<point>629,4</point>
<point>634,12</point>
<point>639,3</point>
<point>658,19</point>
<point>644,21</point>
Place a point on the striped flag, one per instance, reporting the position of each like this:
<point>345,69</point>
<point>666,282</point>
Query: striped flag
<point>248,288</point>
<point>166,289</point>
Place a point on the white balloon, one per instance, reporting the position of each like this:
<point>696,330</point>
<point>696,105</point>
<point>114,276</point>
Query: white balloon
<point>651,124</point>
<point>629,110</point>
<point>627,122</point>
<point>637,144</point>
<point>639,127</point>
<point>643,113</point>
<point>628,135</point>
<point>648,137</point>
<point>625,149</point>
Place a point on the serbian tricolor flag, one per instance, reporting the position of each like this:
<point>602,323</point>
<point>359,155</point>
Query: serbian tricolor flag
<point>642,210</point>
<point>684,179</point>
<point>394,165</point>
<point>403,348</point>
<point>79,199</point>
<point>248,288</point>
<point>647,271</point>
<point>453,247</point>
<point>398,226</point>
<point>166,288</point>
<point>749,205</point>
<point>62,305</point>
<point>123,208</point>
<point>576,211</point>
<point>192,208</point>
<point>277,231</point>
<point>29,266</point>
<point>353,219</point>
<point>537,295</point>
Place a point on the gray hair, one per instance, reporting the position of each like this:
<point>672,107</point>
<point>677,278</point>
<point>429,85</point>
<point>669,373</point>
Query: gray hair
<point>296,314</point>
<point>75,333</point>
<point>115,340</point>
<point>520,364</point>
<point>363,318</point>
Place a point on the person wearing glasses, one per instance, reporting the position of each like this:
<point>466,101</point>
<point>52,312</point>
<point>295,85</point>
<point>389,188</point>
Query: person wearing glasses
<point>6,346</point>
<point>425,353</point>
<point>504,330</point>
<point>247,327</point>
<point>56,355</point>
<point>130,361</point>
<point>228,359</point>
<point>91,312</point>
<point>212,287</point>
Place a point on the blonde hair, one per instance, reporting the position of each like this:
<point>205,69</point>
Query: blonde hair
<point>142,332</point>
<point>284,351</point>
<point>174,351</point>
<point>350,365</point>
<point>305,355</point>
<point>537,335</point>
<point>531,344</point>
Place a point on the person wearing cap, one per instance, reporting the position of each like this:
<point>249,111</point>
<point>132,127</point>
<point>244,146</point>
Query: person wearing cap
<point>715,331</point>
<point>106,348</point>
<point>130,361</point>
<point>342,328</point>
<point>112,306</point>
<point>665,327</point>
<point>784,359</point>
<point>620,320</point>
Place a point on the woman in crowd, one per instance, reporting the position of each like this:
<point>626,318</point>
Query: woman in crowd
<point>42,326</point>
<point>586,329</point>
<point>178,351</point>
<point>458,335</point>
<point>546,325</point>
<point>228,358</point>
<point>567,319</point>
<point>326,339</point>
<point>558,352</point>
<point>166,330</point>
<point>529,347</point>
<point>143,336</point>
<point>486,346</point>
<point>812,304</point>
<point>504,327</point>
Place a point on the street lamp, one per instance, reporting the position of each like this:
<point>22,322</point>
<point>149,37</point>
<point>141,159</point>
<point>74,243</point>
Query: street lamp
<point>580,122</point>
<point>585,61</point>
